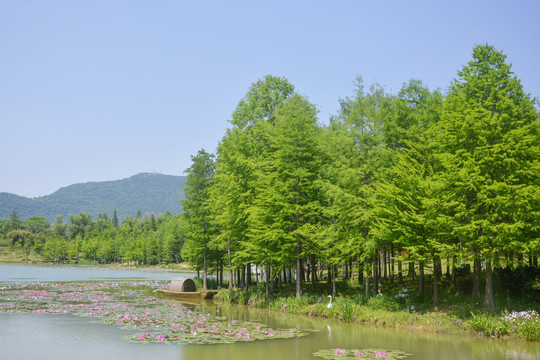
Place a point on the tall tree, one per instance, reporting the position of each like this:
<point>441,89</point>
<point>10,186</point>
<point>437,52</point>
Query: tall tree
<point>197,191</point>
<point>364,116</point>
<point>295,165</point>
<point>490,154</point>
<point>115,219</point>
<point>15,222</point>
<point>240,154</point>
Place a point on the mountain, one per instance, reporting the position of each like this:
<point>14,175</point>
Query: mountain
<point>147,192</point>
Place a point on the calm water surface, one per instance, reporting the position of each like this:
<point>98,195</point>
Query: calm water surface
<point>49,336</point>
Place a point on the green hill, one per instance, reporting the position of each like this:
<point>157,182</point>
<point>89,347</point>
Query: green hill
<point>147,192</point>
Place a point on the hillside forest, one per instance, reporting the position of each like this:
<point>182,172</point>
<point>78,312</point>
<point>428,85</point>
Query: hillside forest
<point>414,184</point>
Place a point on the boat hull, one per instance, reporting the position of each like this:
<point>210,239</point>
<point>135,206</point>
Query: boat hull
<point>209,294</point>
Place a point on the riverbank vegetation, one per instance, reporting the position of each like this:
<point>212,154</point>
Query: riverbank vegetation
<point>400,307</point>
<point>436,193</point>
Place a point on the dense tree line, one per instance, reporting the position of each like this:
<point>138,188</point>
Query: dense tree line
<point>144,240</point>
<point>405,180</point>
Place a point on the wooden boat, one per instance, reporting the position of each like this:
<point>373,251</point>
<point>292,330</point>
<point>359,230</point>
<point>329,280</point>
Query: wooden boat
<point>195,294</point>
<point>185,287</point>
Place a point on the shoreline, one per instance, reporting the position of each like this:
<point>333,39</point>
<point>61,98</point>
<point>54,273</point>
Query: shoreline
<point>424,320</point>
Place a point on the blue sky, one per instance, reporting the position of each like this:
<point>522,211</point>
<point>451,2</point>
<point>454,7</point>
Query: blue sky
<point>102,90</point>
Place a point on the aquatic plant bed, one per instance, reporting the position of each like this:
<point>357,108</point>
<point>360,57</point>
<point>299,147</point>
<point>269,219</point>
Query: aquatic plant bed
<point>131,304</point>
<point>336,354</point>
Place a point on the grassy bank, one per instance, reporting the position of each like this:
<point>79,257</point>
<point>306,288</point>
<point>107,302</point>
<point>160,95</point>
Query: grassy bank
<point>400,307</point>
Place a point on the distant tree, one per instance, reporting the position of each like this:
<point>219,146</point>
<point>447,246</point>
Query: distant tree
<point>15,222</point>
<point>36,224</point>
<point>80,224</point>
<point>59,228</point>
<point>115,219</point>
<point>21,237</point>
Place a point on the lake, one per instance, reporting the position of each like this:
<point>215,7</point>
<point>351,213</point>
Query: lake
<point>66,336</point>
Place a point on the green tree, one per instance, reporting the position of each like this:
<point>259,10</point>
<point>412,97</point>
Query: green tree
<point>36,224</point>
<point>489,148</point>
<point>197,190</point>
<point>286,199</point>
<point>59,228</point>
<point>240,154</point>
<point>115,219</point>
<point>15,222</point>
<point>364,117</point>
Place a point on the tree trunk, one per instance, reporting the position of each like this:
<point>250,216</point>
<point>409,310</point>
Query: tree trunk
<point>391,254</point>
<point>272,281</point>
<point>476,282</point>
<point>230,267</point>
<point>298,267</point>
<point>489,303</point>
<point>436,274</point>
<point>385,264</point>
<point>314,278</point>
<point>421,279</point>
<point>360,273</point>
<point>453,272</point>
<point>204,256</point>
<point>334,281</point>
<point>220,273</point>
<point>375,275</point>
<point>267,280</point>
<point>366,278</point>
<point>412,272</point>
<point>400,272</point>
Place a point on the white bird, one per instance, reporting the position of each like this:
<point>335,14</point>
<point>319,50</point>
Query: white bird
<point>330,303</point>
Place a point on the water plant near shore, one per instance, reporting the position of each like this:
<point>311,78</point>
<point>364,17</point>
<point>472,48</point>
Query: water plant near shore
<point>129,305</point>
<point>335,354</point>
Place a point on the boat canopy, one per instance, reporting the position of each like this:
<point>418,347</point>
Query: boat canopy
<point>180,284</point>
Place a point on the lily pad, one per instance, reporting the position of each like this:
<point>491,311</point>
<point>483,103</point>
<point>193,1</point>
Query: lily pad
<point>337,354</point>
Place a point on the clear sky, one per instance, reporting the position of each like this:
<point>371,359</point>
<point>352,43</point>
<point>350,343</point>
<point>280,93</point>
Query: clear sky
<point>104,89</point>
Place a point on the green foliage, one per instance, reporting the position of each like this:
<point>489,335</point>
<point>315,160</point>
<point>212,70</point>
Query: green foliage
<point>530,331</point>
<point>346,307</point>
<point>197,225</point>
<point>490,156</point>
<point>489,325</point>
<point>383,302</point>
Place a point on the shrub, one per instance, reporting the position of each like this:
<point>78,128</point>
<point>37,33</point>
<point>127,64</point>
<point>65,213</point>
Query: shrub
<point>383,302</point>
